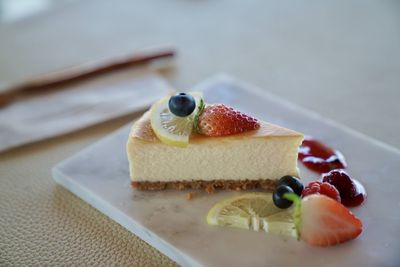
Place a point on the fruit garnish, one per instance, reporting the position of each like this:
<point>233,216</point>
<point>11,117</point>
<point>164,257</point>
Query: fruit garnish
<point>279,200</point>
<point>182,104</point>
<point>220,120</point>
<point>252,211</point>
<point>352,193</point>
<point>322,188</point>
<point>292,182</point>
<point>320,158</point>
<point>322,221</point>
<point>169,128</point>
<point>280,223</point>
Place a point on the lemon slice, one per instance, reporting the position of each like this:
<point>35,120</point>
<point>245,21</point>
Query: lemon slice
<point>255,211</point>
<point>171,129</point>
<point>280,223</point>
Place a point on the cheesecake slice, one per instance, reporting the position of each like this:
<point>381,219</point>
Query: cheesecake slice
<point>249,160</point>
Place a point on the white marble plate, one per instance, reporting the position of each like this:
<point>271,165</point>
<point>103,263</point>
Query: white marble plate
<point>177,227</point>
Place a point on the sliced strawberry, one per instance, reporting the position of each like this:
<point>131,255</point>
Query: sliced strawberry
<point>325,222</point>
<point>220,120</point>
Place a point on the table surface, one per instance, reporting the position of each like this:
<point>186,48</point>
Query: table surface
<point>340,59</point>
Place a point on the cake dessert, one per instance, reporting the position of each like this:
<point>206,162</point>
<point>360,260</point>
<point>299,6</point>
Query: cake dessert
<point>183,143</point>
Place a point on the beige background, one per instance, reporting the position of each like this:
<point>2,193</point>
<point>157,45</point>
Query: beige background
<point>339,58</point>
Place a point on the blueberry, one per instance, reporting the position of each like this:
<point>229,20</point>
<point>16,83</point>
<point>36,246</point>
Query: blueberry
<point>292,182</point>
<point>182,104</point>
<point>278,198</point>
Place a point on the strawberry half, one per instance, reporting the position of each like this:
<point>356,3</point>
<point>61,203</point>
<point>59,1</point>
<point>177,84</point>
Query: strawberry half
<point>322,221</point>
<point>220,120</point>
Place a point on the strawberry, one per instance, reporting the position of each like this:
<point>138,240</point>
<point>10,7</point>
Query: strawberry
<point>220,120</point>
<point>322,221</point>
<point>322,188</point>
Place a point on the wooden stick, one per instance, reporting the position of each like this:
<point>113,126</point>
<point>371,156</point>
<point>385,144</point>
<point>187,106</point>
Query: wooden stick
<point>80,72</point>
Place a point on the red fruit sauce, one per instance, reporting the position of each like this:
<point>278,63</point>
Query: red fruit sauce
<point>352,193</point>
<point>359,198</point>
<point>330,162</point>
<point>320,158</point>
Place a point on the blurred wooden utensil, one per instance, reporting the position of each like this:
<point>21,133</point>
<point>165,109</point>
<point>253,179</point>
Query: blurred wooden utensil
<point>53,79</point>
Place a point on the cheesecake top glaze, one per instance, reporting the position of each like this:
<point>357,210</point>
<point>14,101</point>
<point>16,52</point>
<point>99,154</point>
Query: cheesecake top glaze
<point>142,130</point>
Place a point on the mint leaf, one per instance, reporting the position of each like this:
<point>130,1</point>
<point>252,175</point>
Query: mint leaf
<point>200,110</point>
<point>296,212</point>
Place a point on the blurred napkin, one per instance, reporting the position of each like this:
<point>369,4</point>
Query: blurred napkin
<point>78,106</point>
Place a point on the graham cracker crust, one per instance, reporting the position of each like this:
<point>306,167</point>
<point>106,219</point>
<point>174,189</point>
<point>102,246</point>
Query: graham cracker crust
<point>209,186</point>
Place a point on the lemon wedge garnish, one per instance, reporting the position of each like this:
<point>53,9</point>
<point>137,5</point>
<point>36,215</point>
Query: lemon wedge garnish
<point>255,211</point>
<point>171,129</point>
